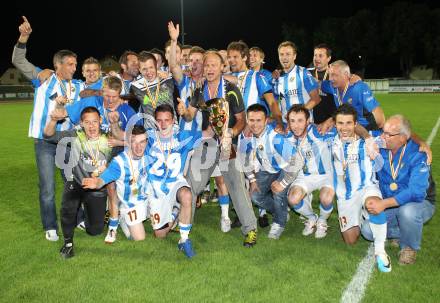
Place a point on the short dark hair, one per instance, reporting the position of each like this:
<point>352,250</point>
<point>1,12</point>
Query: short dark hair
<point>164,108</point>
<point>61,55</point>
<point>257,108</point>
<point>138,130</point>
<point>326,47</point>
<point>89,109</point>
<point>160,53</point>
<point>196,50</point>
<point>345,109</point>
<point>241,47</point>
<point>91,60</point>
<point>298,108</point>
<point>168,43</point>
<point>144,56</point>
<point>113,82</point>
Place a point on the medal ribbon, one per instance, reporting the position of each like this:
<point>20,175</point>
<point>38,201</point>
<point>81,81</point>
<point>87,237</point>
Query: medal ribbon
<point>395,171</point>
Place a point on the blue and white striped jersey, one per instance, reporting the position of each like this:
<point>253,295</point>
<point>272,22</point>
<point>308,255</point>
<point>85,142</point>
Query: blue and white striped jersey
<point>121,170</point>
<point>352,168</point>
<point>253,85</point>
<point>186,88</point>
<point>271,152</point>
<point>315,149</point>
<point>166,158</point>
<point>294,87</point>
<point>44,103</point>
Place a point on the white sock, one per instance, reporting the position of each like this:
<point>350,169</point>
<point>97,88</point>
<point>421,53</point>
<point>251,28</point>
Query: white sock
<point>379,235</point>
<point>224,205</point>
<point>325,211</point>
<point>305,209</point>
<point>184,231</point>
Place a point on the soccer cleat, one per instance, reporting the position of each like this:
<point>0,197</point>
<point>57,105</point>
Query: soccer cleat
<point>309,226</point>
<point>51,235</point>
<point>383,262</point>
<point>225,224</point>
<point>407,256</point>
<point>321,229</point>
<point>275,231</point>
<point>251,239</point>
<point>111,236</point>
<point>81,225</point>
<point>187,248</point>
<point>263,221</point>
<point>66,251</point>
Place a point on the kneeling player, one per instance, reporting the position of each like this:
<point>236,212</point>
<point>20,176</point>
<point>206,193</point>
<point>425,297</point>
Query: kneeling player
<point>167,152</point>
<point>356,185</point>
<point>316,173</point>
<point>128,170</point>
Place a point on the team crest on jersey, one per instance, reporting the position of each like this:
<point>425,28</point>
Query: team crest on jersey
<point>292,78</point>
<point>72,89</point>
<point>350,100</point>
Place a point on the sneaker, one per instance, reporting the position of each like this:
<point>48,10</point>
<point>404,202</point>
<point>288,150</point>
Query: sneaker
<point>111,236</point>
<point>81,225</point>
<point>251,238</point>
<point>383,262</point>
<point>407,256</point>
<point>225,224</point>
<point>309,226</point>
<point>66,251</point>
<point>51,235</point>
<point>321,229</point>
<point>263,221</point>
<point>236,223</point>
<point>275,231</point>
<point>187,248</point>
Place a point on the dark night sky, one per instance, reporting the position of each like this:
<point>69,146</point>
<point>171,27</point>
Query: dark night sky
<point>98,28</point>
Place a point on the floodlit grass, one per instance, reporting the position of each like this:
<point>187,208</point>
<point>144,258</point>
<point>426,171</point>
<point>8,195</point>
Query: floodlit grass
<point>293,269</point>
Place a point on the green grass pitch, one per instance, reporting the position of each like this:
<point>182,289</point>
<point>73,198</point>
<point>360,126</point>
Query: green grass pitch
<point>293,269</point>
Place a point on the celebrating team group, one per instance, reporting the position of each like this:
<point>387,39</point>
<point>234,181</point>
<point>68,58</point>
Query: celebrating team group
<point>142,144</point>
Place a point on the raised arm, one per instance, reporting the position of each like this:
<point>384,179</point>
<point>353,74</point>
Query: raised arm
<point>175,68</point>
<point>19,54</point>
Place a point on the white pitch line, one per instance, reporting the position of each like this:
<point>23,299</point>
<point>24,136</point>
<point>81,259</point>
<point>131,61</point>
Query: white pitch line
<point>355,291</point>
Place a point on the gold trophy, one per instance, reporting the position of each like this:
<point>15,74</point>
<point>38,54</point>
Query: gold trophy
<point>218,110</point>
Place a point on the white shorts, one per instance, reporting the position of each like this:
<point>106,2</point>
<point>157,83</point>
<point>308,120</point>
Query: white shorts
<point>134,215</point>
<point>310,183</point>
<point>350,212</point>
<point>160,206</point>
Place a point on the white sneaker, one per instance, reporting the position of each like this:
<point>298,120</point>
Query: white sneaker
<point>275,231</point>
<point>81,225</point>
<point>124,227</point>
<point>309,226</point>
<point>111,236</point>
<point>321,229</point>
<point>225,224</point>
<point>383,262</point>
<point>51,235</point>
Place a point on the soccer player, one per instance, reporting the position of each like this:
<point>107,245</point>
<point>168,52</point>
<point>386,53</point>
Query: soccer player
<point>187,85</point>
<point>322,55</point>
<point>403,182</point>
<point>167,153</point>
<point>160,58</point>
<point>256,61</point>
<point>186,49</point>
<point>357,94</point>
<point>277,165</point>
<point>316,174</point>
<point>58,87</point>
<point>128,171</point>
<point>253,85</point>
<point>215,86</point>
<point>151,91</point>
<point>89,157</point>
<point>295,85</point>
<point>356,186</point>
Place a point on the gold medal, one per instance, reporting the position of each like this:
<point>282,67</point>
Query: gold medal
<point>95,173</point>
<point>393,186</point>
<point>134,191</point>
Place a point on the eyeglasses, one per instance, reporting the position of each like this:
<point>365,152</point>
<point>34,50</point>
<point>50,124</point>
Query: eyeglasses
<point>389,135</point>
